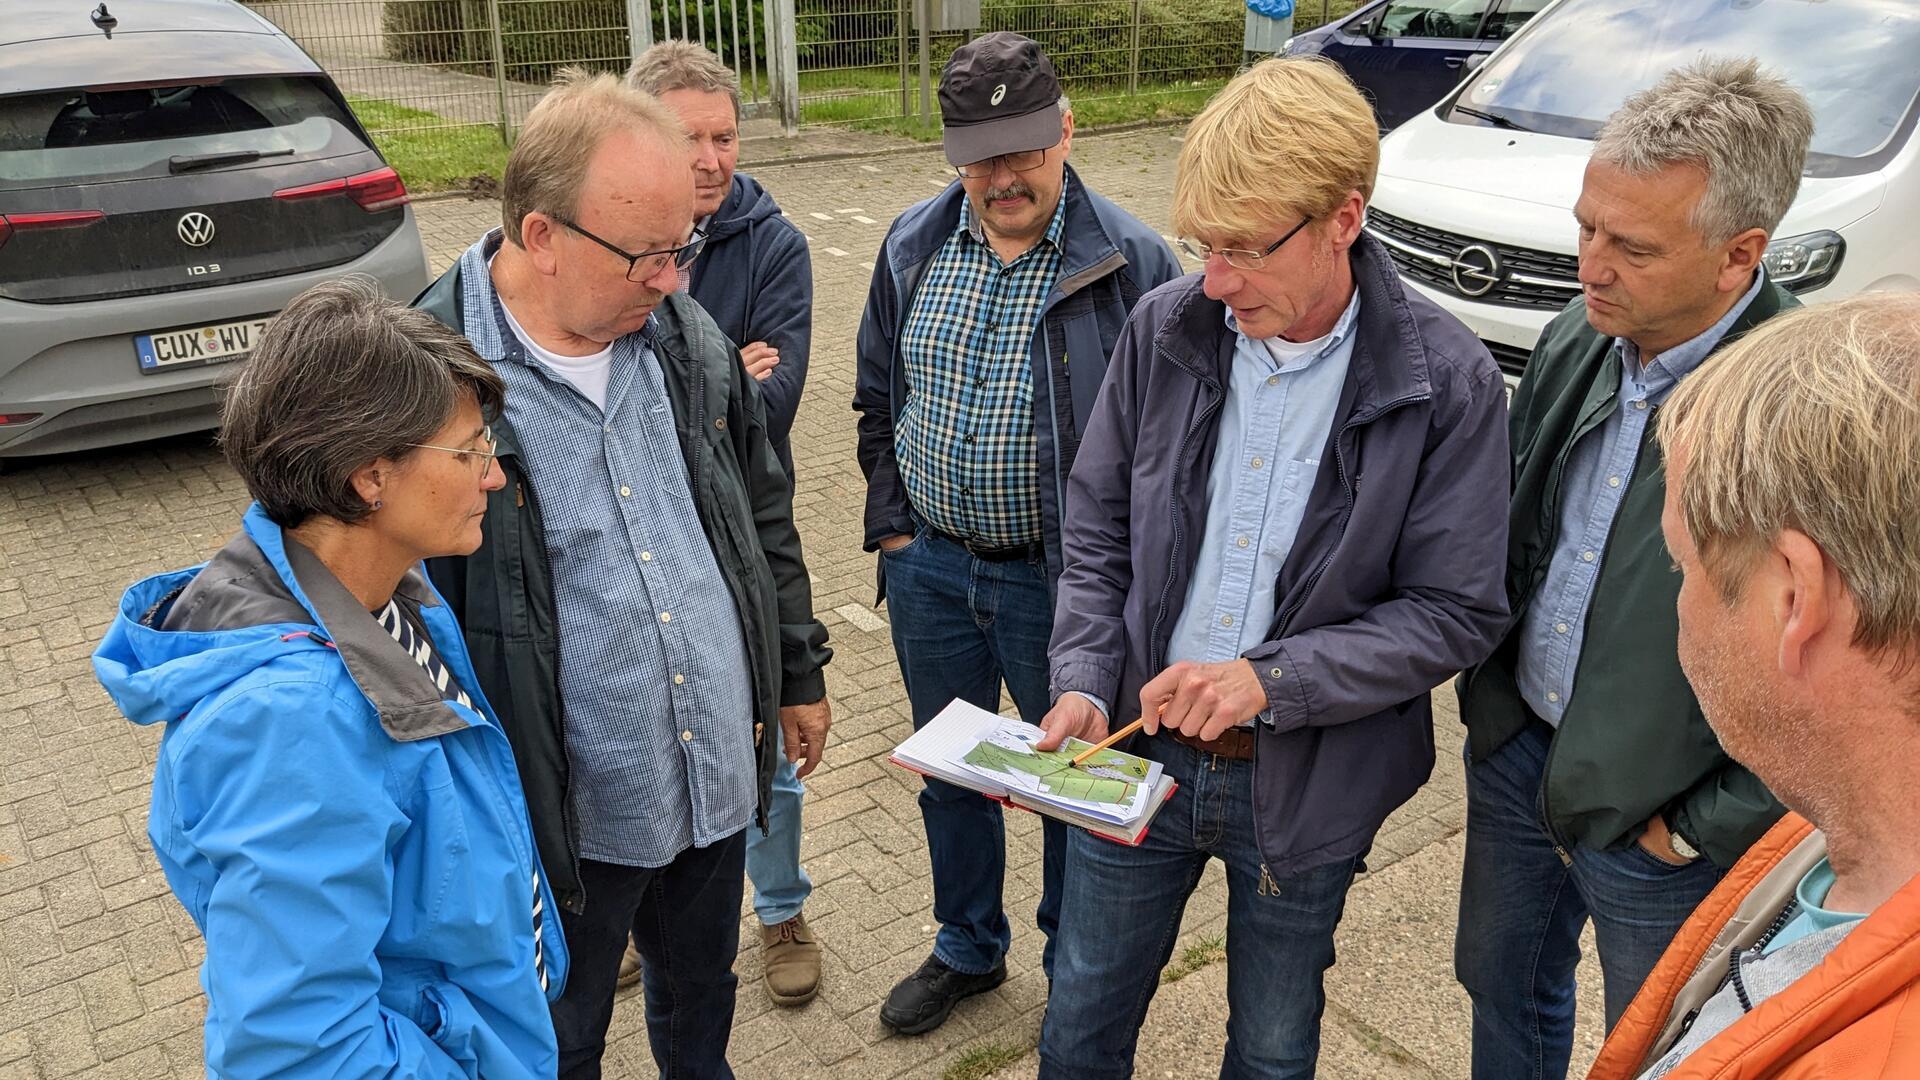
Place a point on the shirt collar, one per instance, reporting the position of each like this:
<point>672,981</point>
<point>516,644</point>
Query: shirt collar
<point>971,225</point>
<point>1667,369</point>
<point>1342,330</point>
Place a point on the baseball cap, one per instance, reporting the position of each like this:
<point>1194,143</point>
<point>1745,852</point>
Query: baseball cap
<point>998,95</point>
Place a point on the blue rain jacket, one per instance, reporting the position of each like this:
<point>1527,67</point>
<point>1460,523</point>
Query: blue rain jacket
<point>355,849</point>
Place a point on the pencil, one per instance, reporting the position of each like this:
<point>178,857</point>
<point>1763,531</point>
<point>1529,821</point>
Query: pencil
<point>1103,744</point>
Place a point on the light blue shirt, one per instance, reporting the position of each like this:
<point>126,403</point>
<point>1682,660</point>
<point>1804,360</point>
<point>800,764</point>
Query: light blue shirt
<point>1813,916</point>
<point>652,658</point>
<point>1273,429</point>
<point>1598,470</point>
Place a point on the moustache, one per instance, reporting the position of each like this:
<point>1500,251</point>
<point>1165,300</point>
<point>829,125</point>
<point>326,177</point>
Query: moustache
<point>1015,190</point>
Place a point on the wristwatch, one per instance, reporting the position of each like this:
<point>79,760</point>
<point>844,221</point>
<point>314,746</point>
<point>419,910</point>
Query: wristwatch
<point>1679,846</point>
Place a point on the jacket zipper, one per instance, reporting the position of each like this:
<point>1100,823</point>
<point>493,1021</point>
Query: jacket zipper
<point>523,487</point>
<point>1158,658</point>
<point>1560,845</point>
<point>697,457</point>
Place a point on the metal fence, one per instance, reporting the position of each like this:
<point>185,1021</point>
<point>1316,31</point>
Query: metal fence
<point>473,68</point>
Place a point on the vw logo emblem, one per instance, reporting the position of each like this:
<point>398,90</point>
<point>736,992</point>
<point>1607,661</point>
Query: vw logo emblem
<point>1476,270</point>
<point>195,229</point>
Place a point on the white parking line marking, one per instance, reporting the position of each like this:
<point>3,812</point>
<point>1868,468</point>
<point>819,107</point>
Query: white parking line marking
<point>850,210</point>
<point>871,168</point>
<point>836,251</point>
<point>864,219</point>
<point>860,617</point>
<point>821,216</point>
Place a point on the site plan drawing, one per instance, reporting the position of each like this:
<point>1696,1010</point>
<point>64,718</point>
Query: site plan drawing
<point>1109,777</point>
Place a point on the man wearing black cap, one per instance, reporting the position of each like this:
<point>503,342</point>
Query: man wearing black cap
<point>993,310</point>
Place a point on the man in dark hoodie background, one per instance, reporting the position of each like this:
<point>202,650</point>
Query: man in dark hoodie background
<point>756,280</point>
<point>754,277</point>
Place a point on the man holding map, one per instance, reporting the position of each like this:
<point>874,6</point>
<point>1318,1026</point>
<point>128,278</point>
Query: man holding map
<point>1286,525</point>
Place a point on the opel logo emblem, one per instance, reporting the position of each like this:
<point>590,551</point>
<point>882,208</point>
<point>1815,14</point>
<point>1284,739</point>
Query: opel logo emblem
<point>1476,270</point>
<point>195,229</point>
<point>999,92</point>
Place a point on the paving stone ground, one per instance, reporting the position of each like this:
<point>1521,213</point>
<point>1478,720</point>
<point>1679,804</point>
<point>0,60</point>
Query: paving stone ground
<point>98,962</point>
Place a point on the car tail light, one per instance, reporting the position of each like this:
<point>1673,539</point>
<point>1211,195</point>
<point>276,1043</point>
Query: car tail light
<point>380,189</point>
<point>18,418</point>
<point>57,219</point>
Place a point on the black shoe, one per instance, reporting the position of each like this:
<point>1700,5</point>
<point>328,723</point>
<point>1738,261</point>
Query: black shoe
<point>925,999</point>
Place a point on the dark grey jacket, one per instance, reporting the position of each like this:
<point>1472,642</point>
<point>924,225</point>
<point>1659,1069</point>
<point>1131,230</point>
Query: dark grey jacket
<point>1393,585</point>
<point>503,593</point>
<point>756,280</point>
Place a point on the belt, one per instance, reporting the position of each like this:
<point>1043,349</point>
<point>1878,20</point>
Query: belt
<point>1033,552</point>
<point>1235,743</point>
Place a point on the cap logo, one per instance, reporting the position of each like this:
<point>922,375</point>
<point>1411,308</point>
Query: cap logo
<point>998,93</point>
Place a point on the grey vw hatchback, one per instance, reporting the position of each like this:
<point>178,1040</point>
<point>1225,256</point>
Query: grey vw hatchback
<point>171,173</point>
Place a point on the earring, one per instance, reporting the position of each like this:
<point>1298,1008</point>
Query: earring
<point>377,504</point>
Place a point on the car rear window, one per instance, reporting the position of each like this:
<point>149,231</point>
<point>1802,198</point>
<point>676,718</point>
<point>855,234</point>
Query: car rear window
<point>1854,59</point>
<point>91,135</point>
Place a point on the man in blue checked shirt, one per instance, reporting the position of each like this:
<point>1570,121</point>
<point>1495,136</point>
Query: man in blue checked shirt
<point>639,606</point>
<point>993,310</point>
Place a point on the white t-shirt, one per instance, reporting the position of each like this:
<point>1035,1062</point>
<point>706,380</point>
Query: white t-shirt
<point>587,374</point>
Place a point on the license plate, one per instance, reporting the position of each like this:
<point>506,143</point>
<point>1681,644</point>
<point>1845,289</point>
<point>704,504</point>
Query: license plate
<point>197,345</point>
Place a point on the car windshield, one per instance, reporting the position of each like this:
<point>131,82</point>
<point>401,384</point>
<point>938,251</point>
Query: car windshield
<point>85,135</point>
<point>1854,59</point>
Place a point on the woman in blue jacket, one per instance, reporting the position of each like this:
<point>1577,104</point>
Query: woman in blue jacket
<point>334,802</point>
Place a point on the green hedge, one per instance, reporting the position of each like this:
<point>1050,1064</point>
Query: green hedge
<point>1091,41</point>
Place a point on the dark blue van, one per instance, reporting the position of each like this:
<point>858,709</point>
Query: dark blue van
<point>1406,54</point>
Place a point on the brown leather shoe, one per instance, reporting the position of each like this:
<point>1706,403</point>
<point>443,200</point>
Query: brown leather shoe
<point>791,955</point>
<point>629,967</point>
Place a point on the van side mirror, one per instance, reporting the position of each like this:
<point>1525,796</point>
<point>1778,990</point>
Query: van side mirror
<point>1474,63</point>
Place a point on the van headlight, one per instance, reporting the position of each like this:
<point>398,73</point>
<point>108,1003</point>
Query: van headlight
<point>1286,46</point>
<point>1805,262</point>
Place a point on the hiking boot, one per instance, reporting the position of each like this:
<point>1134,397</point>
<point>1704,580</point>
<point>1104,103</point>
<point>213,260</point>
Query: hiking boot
<point>925,999</point>
<point>629,967</point>
<point>791,956</point>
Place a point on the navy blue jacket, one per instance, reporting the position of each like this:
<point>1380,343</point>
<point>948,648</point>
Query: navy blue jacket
<point>756,279</point>
<point>1394,583</point>
<point>1110,259</point>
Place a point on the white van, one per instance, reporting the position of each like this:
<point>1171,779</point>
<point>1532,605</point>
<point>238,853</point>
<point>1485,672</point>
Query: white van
<point>1475,196</point>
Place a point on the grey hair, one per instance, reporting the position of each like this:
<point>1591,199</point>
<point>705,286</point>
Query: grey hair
<point>682,65</point>
<point>344,376</point>
<point>1747,128</point>
<point>1065,105</point>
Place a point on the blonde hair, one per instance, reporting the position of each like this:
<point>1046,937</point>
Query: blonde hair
<point>1812,422</point>
<point>682,65</point>
<point>1286,139</point>
<point>548,164</point>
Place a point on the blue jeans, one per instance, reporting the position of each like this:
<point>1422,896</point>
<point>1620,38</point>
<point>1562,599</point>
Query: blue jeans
<point>960,626</point>
<point>1121,912</point>
<point>1522,909</point>
<point>780,886</point>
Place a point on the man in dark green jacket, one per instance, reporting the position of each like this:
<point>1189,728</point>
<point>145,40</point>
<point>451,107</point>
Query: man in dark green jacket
<point>1594,786</point>
<point>638,611</point>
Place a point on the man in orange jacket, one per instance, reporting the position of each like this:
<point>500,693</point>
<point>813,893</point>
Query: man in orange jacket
<point>1792,509</point>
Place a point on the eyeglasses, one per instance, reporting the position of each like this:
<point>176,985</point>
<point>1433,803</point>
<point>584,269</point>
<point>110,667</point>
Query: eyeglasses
<point>468,457</point>
<point>1019,161</point>
<point>646,264</point>
<point>1239,258</point>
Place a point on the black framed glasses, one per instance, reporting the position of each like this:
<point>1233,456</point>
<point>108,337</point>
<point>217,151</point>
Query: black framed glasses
<point>468,457</point>
<point>1239,258</point>
<point>1020,161</point>
<point>646,264</point>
